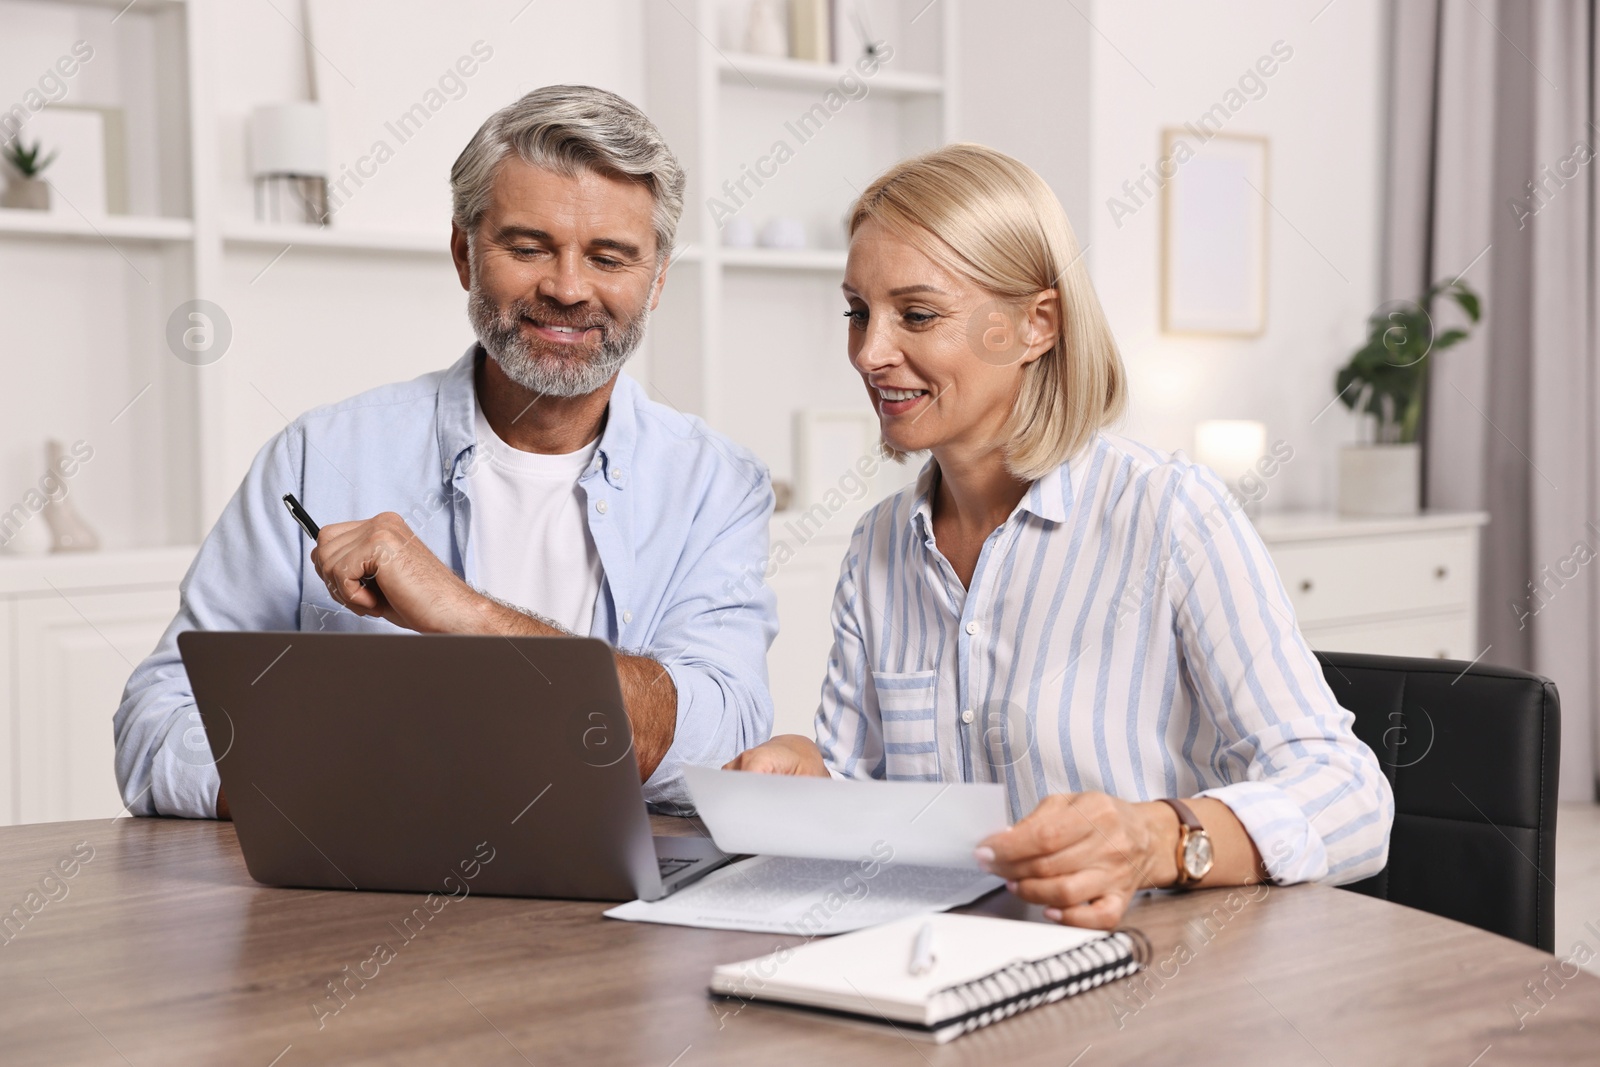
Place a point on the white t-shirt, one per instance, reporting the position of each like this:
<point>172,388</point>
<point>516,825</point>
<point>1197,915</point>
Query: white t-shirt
<point>529,535</point>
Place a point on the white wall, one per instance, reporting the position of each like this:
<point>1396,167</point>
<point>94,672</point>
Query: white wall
<point>1028,93</point>
<point>1158,64</point>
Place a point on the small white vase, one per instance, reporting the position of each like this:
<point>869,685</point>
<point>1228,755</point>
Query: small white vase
<point>30,538</point>
<point>1380,479</point>
<point>739,232</point>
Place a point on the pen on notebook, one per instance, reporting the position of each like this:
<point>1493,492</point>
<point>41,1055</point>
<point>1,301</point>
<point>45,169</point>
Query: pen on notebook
<point>922,957</point>
<point>309,525</point>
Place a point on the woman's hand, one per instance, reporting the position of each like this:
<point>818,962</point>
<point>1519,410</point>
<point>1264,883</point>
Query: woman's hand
<point>784,754</point>
<point>1084,856</point>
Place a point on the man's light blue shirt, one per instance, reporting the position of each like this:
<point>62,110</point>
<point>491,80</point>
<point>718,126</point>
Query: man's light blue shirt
<point>678,513</point>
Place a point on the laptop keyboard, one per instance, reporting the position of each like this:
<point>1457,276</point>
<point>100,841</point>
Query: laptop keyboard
<point>670,867</point>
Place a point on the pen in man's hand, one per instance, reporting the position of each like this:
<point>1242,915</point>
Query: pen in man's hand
<point>312,529</point>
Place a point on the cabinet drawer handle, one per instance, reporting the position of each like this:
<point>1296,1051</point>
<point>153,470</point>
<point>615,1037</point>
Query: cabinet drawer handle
<point>1441,572</point>
<point>1305,585</point>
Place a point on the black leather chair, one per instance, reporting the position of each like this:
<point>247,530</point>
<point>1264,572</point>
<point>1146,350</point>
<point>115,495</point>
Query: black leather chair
<point>1472,754</point>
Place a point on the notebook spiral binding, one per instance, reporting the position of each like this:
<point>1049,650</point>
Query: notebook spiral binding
<point>1023,985</point>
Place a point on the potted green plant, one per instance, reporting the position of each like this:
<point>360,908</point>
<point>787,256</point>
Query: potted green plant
<point>25,188</point>
<point>1387,378</point>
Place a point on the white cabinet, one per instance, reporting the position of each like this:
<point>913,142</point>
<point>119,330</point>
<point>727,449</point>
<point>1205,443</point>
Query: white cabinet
<point>73,628</point>
<point>1398,587</point>
<point>798,660</point>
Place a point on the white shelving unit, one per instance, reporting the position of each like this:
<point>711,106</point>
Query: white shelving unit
<point>764,312</point>
<point>828,260</point>
<point>89,296</point>
<point>265,236</point>
<point>773,73</point>
<point>732,309</point>
<point>109,379</point>
<point>153,229</point>
<point>748,337</point>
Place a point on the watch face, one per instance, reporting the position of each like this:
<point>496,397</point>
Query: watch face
<point>1197,856</point>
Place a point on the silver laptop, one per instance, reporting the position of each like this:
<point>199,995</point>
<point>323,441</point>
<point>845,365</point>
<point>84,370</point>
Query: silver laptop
<point>425,763</point>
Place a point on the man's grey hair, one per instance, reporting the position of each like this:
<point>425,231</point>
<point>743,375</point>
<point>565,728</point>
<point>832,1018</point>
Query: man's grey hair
<point>568,129</point>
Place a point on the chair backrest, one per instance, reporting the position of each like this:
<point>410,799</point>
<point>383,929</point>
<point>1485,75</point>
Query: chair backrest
<point>1472,753</point>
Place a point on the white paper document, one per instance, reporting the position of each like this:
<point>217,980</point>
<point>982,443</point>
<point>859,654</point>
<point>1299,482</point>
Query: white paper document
<point>786,895</point>
<point>928,824</point>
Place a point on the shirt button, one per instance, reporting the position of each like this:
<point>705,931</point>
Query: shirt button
<point>627,616</point>
<point>619,472</point>
<point>973,627</point>
<point>600,506</point>
<point>967,716</point>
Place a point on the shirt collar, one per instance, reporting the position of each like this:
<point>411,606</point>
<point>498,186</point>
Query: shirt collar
<point>458,429</point>
<point>457,432</point>
<point>1050,497</point>
<point>622,429</point>
<point>922,501</point>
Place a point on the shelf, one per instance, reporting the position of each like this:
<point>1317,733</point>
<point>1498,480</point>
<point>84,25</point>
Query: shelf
<point>765,72</point>
<point>276,236</point>
<point>121,5</point>
<point>1283,527</point>
<point>75,227</point>
<point>825,260</point>
<point>55,572</point>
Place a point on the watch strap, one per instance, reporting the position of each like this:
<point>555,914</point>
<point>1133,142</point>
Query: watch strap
<point>1185,815</point>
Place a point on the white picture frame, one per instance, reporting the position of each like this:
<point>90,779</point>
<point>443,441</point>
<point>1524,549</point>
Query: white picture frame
<point>1214,234</point>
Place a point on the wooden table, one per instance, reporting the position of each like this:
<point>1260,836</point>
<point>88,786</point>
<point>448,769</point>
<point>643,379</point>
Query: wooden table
<point>160,949</point>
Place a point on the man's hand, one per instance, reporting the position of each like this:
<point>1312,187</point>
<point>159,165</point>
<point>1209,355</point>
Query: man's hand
<point>784,754</point>
<point>1084,856</point>
<point>411,587</point>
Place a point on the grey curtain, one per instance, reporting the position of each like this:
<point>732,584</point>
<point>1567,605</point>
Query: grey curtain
<point>1492,176</point>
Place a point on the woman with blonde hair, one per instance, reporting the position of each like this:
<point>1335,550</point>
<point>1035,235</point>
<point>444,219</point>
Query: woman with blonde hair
<point>1086,620</point>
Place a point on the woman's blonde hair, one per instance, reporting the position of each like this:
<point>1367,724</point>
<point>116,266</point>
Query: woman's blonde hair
<point>991,219</point>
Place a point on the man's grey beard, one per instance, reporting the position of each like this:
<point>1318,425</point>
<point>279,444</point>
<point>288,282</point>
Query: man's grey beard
<point>499,330</point>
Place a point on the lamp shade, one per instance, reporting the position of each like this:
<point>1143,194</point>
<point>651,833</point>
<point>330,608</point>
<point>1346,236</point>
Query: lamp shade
<point>289,139</point>
<point>1230,447</point>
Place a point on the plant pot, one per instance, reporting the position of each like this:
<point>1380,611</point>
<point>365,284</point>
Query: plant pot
<point>1380,479</point>
<point>26,194</point>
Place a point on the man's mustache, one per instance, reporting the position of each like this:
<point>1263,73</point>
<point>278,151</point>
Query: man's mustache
<point>558,316</point>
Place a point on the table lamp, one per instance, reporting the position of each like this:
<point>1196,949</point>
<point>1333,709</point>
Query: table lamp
<point>289,160</point>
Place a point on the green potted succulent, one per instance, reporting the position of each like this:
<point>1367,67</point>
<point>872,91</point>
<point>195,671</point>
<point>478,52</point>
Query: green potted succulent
<point>25,188</point>
<point>1387,379</point>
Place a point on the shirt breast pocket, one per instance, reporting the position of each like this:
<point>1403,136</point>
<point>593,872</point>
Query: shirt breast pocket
<point>906,705</point>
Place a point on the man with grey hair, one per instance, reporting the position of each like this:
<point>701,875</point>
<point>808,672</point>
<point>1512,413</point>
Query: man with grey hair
<point>529,489</point>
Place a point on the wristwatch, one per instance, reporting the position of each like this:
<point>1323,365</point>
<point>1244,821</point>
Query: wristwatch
<point>1194,845</point>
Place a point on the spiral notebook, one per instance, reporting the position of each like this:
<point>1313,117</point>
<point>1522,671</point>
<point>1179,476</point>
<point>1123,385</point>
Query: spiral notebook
<point>984,970</point>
